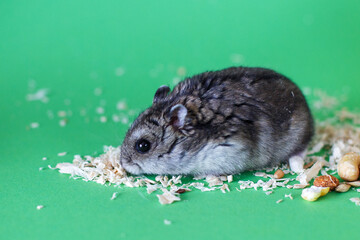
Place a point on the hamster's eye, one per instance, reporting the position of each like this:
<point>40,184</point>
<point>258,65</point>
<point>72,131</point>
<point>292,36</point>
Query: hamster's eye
<point>142,145</point>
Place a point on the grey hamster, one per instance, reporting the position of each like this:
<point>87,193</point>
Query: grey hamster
<point>220,122</point>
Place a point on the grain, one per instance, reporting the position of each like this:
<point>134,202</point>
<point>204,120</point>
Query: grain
<point>279,174</point>
<point>343,187</point>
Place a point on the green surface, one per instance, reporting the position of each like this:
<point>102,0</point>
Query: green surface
<point>74,47</point>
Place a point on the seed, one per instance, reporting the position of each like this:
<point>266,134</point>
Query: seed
<point>343,187</point>
<point>180,190</point>
<point>309,164</point>
<point>279,174</point>
<point>354,184</point>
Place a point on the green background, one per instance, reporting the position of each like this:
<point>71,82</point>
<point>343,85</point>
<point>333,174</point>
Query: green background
<point>74,47</point>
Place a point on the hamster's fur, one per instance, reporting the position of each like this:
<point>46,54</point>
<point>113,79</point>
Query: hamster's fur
<point>220,122</point>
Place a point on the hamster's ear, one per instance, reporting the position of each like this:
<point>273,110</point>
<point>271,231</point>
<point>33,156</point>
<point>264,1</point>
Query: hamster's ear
<point>161,93</point>
<point>180,119</point>
<point>177,116</point>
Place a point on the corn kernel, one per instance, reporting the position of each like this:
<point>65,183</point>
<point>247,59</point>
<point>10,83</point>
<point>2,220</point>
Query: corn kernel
<point>313,193</point>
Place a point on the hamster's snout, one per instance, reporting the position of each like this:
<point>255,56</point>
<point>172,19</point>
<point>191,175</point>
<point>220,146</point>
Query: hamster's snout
<point>130,166</point>
<point>121,161</point>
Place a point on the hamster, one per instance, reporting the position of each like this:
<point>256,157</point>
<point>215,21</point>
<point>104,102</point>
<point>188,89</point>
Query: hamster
<point>220,122</point>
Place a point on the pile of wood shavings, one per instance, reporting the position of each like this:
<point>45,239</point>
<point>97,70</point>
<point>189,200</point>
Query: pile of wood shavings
<point>333,139</point>
<point>107,169</point>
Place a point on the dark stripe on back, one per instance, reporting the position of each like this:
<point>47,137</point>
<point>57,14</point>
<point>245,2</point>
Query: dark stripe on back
<point>153,121</point>
<point>225,145</point>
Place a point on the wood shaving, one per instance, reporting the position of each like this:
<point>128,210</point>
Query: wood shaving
<point>100,110</point>
<point>152,188</point>
<point>34,125</point>
<point>345,115</point>
<point>289,196</point>
<point>200,186</point>
<point>317,148</point>
<point>121,105</point>
<point>124,120</point>
<point>114,196</point>
<point>355,200</point>
<point>213,181</point>
<point>312,172</point>
<point>52,168</point>
<point>62,122</point>
<point>103,119</point>
<point>225,188</point>
<point>223,178</point>
<point>300,186</point>
<point>181,71</point>
<point>149,181</point>
<point>167,222</point>
<point>176,180</point>
<point>260,174</point>
<point>115,118</point>
<point>97,91</point>
<point>62,154</point>
<point>265,185</point>
<point>164,180</point>
<point>61,113</point>
<point>325,101</point>
<point>323,172</point>
<point>39,207</point>
<point>167,197</point>
<point>279,201</point>
<point>39,95</point>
